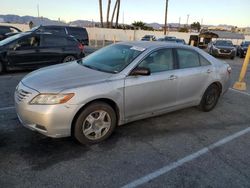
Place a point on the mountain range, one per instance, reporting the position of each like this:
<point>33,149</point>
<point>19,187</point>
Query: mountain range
<point>11,18</point>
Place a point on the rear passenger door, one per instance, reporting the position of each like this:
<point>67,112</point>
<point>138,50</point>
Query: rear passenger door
<point>52,48</point>
<point>193,75</point>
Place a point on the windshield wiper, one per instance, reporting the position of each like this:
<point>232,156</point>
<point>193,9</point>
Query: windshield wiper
<point>95,68</point>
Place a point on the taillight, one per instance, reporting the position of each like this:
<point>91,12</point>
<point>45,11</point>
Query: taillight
<point>81,47</point>
<point>229,70</point>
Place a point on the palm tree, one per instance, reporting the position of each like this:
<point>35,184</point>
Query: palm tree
<point>101,18</point>
<point>109,3</point>
<point>113,14</point>
<point>117,14</point>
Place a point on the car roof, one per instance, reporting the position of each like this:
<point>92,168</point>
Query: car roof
<point>154,44</point>
<point>61,26</point>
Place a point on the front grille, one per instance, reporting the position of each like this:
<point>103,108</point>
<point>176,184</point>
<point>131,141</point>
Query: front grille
<point>225,51</point>
<point>22,95</point>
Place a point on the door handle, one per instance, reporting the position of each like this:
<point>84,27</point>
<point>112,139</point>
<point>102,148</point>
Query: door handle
<point>209,71</point>
<point>172,77</point>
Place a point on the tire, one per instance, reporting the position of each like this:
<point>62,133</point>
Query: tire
<point>210,98</point>
<point>69,58</point>
<point>95,123</point>
<point>241,55</point>
<point>232,57</point>
<point>1,68</point>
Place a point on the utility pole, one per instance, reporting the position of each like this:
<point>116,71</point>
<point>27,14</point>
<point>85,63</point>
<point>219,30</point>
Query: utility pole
<point>179,22</point>
<point>166,17</point>
<point>38,11</point>
<point>187,19</point>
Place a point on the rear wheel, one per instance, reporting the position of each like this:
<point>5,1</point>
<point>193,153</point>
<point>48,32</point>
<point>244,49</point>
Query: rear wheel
<point>69,59</point>
<point>241,55</point>
<point>1,68</point>
<point>95,123</point>
<point>210,98</point>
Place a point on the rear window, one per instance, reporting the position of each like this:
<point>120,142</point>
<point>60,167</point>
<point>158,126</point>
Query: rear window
<point>76,31</point>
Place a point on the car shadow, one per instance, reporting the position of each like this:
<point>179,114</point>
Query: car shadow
<point>41,152</point>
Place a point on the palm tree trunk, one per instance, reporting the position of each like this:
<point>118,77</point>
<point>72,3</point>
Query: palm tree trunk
<point>101,18</point>
<point>118,12</point>
<point>109,3</point>
<point>113,14</point>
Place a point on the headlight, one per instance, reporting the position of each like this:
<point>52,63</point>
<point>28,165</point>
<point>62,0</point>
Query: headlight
<point>49,99</point>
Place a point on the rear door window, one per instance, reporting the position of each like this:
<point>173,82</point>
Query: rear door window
<point>203,61</point>
<point>53,41</point>
<point>56,30</point>
<point>187,58</point>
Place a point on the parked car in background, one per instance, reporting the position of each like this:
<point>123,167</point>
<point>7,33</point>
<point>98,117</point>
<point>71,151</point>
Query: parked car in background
<point>170,39</point>
<point>242,49</point>
<point>79,33</point>
<point>7,31</point>
<point>118,84</point>
<point>222,48</point>
<point>149,38</point>
<point>34,50</point>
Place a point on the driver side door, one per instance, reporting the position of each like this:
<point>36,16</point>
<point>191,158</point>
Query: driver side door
<point>25,52</point>
<point>146,95</point>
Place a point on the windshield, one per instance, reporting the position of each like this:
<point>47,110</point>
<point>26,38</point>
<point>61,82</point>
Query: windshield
<point>224,43</point>
<point>10,39</point>
<point>112,59</point>
<point>246,44</point>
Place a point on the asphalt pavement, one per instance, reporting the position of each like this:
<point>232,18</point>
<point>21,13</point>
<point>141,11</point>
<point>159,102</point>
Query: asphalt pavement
<point>135,152</point>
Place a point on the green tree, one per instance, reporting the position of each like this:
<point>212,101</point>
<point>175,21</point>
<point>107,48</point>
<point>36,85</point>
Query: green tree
<point>196,26</point>
<point>183,30</point>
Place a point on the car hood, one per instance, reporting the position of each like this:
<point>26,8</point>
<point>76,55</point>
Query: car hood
<point>225,47</point>
<point>54,79</point>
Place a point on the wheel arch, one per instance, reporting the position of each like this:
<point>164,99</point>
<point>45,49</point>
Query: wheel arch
<point>108,101</point>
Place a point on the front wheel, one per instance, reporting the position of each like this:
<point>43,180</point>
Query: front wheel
<point>95,123</point>
<point>1,68</point>
<point>210,98</point>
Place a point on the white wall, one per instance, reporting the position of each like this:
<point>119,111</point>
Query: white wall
<point>22,27</point>
<point>123,35</point>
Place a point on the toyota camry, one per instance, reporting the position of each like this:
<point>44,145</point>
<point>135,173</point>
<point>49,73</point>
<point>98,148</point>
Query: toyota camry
<point>87,99</point>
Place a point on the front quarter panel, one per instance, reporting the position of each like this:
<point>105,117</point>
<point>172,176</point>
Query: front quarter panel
<point>111,89</point>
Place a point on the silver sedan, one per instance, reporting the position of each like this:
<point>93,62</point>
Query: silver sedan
<point>118,84</point>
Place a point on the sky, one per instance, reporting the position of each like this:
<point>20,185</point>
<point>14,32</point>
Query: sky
<point>209,12</point>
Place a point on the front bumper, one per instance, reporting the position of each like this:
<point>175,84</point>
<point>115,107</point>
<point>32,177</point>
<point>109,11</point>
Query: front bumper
<point>50,120</point>
<point>221,53</point>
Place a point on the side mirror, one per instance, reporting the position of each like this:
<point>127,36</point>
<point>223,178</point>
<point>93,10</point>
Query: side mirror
<point>140,71</point>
